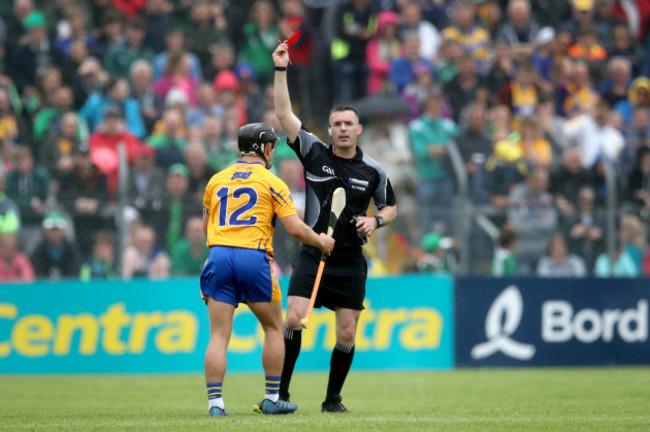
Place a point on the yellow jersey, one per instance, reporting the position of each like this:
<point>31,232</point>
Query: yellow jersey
<point>242,202</point>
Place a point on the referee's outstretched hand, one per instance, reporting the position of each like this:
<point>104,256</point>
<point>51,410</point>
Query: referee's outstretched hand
<point>281,55</point>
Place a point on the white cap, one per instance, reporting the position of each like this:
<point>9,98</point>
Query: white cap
<point>544,36</point>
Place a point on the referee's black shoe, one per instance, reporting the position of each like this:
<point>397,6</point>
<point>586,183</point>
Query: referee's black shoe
<point>333,405</point>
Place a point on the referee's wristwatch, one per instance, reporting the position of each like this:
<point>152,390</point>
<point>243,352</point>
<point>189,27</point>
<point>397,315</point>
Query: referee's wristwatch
<point>380,221</point>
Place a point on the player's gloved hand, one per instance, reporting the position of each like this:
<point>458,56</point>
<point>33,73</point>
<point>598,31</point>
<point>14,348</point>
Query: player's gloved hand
<point>327,244</point>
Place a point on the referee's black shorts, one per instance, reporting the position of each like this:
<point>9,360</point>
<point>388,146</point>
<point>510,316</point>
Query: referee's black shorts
<point>343,283</point>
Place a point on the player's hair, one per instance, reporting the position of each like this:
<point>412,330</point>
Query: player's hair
<point>339,108</point>
<point>507,236</point>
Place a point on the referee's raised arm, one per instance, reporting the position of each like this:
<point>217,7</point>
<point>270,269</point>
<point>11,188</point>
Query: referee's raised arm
<point>290,123</point>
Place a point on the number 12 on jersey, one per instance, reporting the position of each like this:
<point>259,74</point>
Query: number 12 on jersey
<point>235,217</point>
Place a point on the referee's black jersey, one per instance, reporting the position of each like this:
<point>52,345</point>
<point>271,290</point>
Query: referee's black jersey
<point>362,177</point>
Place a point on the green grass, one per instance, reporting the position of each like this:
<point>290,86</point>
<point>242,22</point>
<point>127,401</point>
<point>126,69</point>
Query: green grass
<point>608,399</point>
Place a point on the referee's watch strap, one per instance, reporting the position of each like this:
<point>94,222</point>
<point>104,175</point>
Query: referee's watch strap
<point>280,68</point>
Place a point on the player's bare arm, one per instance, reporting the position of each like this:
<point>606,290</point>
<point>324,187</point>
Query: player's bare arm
<point>301,232</point>
<point>367,225</point>
<point>290,123</point>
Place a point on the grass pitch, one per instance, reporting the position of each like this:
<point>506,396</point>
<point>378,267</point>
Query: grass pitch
<point>608,399</point>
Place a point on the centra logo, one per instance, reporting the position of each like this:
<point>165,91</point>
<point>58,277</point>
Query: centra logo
<point>561,324</point>
<point>502,321</point>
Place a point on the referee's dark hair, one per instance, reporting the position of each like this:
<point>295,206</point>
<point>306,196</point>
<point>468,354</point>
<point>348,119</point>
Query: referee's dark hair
<point>338,108</point>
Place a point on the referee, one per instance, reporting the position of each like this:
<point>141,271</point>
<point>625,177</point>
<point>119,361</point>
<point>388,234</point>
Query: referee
<point>343,284</point>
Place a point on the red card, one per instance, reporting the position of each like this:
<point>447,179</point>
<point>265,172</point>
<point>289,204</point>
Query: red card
<point>293,38</point>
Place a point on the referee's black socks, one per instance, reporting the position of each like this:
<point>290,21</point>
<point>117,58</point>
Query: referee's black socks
<point>340,364</point>
<point>292,342</point>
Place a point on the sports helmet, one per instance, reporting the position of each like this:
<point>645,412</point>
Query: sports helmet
<point>253,137</point>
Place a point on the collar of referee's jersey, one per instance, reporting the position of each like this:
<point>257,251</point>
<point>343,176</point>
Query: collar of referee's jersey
<point>358,155</point>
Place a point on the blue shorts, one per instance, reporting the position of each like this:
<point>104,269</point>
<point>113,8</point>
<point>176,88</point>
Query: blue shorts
<point>234,275</point>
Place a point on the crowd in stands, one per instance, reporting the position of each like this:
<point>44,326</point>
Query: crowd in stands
<point>115,110</point>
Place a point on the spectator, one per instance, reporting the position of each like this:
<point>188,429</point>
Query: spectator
<point>221,152</point>
<point>151,104</point>
<point>13,129</point>
<point>638,96</point>
<point>588,49</point>
<point>142,258</point>
<point>203,36</point>
<point>75,23</point>
<point>101,264</point>
<point>15,22</point>
<point>626,47</point>
<point>604,21</point>
<point>60,144</point>
<point>146,183</point>
<point>207,106</point>
<point>120,56</point>
<point>436,257</point>
<point>111,31</point>
<point>475,149</point>
<point>519,31</point>
<point>157,17</point>
<point>402,70</point>
<point>521,93</point>
<point>575,96</point>
<point>178,207</point>
<point>504,169</point>
<point>595,136</point>
<point>104,146</point>
<point>170,142</point>
<point>474,39</point>
<point>177,75</point>
<point>261,34</point>
<point>352,31</point>
<point>89,78</point>
<point>465,87</point>
<point>412,22</point>
<point>83,192</point>
<point>415,93</point>
<point>558,262</point>
<point>585,229</point>
<point>28,186</point>
<point>190,253</point>
<point>32,57</point>
<point>174,43</point>
<point>543,60</point>
<point>14,265</point>
<point>533,216</point>
<point>536,150</point>
<point>620,264</point>
<point>222,58</point>
<point>504,262</point>
<point>200,172</point>
<point>636,14</point>
<point>615,86</point>
<point>430,135</point>
<point>639,186</point>
<point>116,93</point>
<point>55,257</point>
<point>566,182</point>
<point>503,68</point>
<point>230,98</point>
<point>9,213</point>
<point>633,235</point>
<point>582,13</point>
<point>46,118</point>
<point>250,92</point>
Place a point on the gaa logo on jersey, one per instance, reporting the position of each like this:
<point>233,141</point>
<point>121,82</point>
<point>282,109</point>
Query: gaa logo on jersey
<point>328,170</point>
<point>357,184</point>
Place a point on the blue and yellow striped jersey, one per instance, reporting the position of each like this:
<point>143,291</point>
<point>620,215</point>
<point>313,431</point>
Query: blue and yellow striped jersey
<point>243,201</point>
